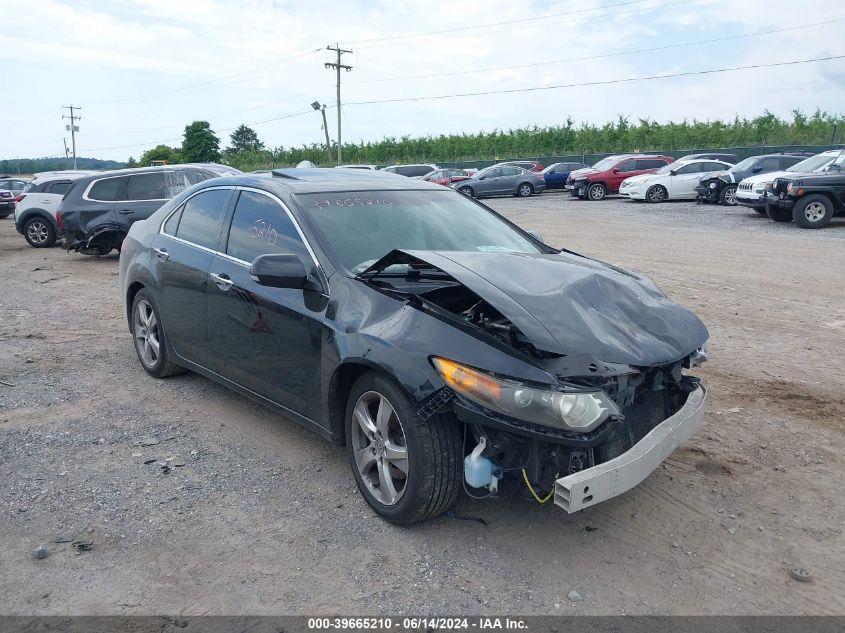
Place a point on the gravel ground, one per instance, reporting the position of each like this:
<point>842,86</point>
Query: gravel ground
<point>198,501</point>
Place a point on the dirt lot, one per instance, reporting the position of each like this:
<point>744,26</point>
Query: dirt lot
<point>259,516</point>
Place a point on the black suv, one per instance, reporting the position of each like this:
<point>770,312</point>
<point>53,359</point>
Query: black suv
<point>720,187</point>
<point>97,211</point>
<point>811,200</point>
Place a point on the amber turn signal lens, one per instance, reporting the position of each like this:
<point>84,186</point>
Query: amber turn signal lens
<point>463,379</point>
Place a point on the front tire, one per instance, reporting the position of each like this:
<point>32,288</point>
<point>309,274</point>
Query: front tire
<point>39,233</point>
<point>407,468</point>
<point>467,191</point>
<point>813,211</point>
<point>656,194</point>
<point>597,192</point>
<point>728,196</point>
<point>150,339</point>
<point>778,215</point>
<point>524,190</point>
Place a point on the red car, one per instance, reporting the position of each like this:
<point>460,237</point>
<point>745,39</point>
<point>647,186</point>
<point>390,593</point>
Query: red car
<point>606,175</point>
<point>446,177</point>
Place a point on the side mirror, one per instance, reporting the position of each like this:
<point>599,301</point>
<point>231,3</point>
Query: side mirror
<point>482,177</point>
<point>615,170</point>
<point>536,236</point>
<point>279,271</point>
<point>757,169</point>
<point>673,172</point>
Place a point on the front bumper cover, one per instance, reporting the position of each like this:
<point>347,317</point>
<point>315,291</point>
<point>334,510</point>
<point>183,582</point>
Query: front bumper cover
<point>605,481</point>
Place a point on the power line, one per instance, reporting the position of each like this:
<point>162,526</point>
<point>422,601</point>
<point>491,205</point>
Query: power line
<point>211,83</point>
<point>602,56</point>
<point>599,83</point>
<point>405,36</point>
<point>550,20</point>
<point>220,131</point>
<point>337,66</point>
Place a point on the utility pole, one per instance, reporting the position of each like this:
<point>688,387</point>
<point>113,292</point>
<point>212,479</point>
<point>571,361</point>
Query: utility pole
<point>322,108</point>
<point>72,128</point>
<point>337,66</point>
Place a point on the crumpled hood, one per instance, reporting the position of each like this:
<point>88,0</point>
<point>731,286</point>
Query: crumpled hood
<point>569,304</point>
<point>583,173</point>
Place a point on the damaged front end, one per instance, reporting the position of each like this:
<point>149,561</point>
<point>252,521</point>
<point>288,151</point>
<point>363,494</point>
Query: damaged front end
<point>616,347</point>
<point>709,189</point>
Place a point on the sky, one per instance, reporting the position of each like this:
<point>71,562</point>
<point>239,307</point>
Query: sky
<point>143,70</point>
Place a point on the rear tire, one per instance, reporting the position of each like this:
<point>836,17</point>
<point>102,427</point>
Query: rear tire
<point>39,233</point>
<point>778,215</point>
<point>813,211</point>
<point>150,339</point>
<point>433,447</point>
<point>597,192</point>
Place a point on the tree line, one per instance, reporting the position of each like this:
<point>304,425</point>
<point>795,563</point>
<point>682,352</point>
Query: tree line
<point>568,138</point>
<point>247,152</point>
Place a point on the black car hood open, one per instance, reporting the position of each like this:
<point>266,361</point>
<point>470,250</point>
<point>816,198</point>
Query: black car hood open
<point>569,304</point>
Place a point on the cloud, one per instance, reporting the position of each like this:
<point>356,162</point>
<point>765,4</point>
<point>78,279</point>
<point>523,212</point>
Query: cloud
<point>145,69</point>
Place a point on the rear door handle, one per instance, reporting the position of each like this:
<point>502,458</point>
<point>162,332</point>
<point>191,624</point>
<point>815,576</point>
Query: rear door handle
<point>222,280</point>
<point>161,253</point>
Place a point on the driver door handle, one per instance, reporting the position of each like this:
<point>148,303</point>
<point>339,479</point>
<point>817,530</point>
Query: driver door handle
<point>222,281</point>
<point>161,253</point>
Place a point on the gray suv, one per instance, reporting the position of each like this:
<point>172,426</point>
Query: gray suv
<point>97,211</point>
<point>501,181</point>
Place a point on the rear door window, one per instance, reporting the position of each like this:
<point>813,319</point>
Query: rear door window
<point>261,226</point>
<point>108,189</point>
<point>202,218</point>
<point>59,187</point>
<point>148,186</point>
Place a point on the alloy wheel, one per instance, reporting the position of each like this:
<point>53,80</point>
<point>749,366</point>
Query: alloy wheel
<point>814,212</point>
<point>380,448</point>
<point>656,194</point>
<point>524,191</point>
<point>37,232</point>
<point>730,196</point>
<point>147,340</point>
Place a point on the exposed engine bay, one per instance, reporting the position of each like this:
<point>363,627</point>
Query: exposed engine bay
<point>645,395</point>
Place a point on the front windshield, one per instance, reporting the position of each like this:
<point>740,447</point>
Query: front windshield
<point>814,162</point>
<point>744,165</point>
<point>606,163</point>
<point>362,227</point>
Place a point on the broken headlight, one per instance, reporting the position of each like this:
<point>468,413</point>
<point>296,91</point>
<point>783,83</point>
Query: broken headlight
<point>699,356</point>
<point>579,411</point>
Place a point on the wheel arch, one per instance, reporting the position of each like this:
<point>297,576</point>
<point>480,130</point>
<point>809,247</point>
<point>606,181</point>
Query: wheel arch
<point>32,212</point>
<point>131,292</point>
<point>340,386</point>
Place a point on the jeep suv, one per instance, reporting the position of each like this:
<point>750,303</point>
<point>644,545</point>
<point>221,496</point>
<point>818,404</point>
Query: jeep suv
<point>810,200</point>
<point>605,176</point>
<point>97,211</point>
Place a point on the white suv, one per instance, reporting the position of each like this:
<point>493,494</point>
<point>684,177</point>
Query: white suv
<point>749,192</point>
<point>35,212</point>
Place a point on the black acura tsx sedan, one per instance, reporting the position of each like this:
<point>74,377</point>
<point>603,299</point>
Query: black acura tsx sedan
<point>442,345</point>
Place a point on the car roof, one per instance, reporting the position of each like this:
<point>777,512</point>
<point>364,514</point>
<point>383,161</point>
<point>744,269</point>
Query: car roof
<point>326,180</point>
<point>141,170</point>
